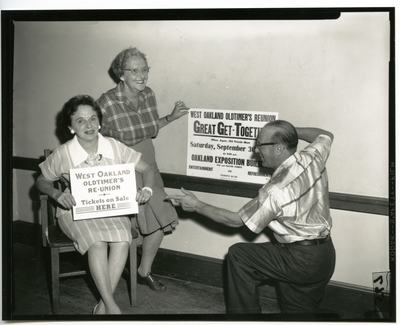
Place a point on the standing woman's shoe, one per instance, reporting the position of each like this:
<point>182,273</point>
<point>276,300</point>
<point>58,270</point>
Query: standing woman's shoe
<point>152,282</point>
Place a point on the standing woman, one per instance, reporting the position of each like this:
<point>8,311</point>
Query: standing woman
<point>130,115</point>
<point>82,117</point>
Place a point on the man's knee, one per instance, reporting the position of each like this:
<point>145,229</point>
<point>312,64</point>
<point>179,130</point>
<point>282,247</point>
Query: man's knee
<point>236,250</point>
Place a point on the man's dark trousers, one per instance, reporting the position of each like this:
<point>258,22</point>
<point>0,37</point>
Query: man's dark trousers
<point>302,271</point>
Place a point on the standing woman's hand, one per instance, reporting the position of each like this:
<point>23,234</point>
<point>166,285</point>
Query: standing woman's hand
<point>143,195</point>
<point>180,110</point>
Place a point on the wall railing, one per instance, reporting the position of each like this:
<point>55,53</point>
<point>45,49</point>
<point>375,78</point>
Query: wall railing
<point>339,201</point>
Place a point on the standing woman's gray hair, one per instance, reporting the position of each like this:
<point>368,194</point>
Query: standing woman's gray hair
<point>119,62</point>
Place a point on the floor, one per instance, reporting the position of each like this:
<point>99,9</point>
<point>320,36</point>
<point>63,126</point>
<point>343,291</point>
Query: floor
<point>183,300</point>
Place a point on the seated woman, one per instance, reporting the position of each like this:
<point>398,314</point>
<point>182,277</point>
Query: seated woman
<point>88,147</point>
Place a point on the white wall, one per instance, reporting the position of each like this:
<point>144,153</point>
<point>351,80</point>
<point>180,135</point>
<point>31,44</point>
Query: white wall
<point>331,74</point>
<point>328,74</point>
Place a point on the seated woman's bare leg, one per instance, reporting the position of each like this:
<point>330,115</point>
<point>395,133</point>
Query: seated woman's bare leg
<point>116,263</point>
<point>99,268</point>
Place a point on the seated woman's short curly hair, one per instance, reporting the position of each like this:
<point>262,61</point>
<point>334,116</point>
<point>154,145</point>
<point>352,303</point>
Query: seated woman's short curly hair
<point>73,104</point>
<point>119,62</point>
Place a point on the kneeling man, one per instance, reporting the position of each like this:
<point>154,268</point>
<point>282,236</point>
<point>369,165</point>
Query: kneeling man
<point>295,205</point>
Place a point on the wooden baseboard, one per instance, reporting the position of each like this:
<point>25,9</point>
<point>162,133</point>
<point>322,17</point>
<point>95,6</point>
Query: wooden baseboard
<point>210,271</point>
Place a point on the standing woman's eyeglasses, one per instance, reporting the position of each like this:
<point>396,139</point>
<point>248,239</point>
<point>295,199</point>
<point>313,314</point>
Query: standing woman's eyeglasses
<point>136,72</point>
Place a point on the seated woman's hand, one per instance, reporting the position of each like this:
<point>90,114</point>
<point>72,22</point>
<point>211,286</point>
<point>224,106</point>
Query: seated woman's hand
<point>143,196</point>
<point>66,199</point>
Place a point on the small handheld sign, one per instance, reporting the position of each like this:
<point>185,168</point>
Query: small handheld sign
<point>104,191</point>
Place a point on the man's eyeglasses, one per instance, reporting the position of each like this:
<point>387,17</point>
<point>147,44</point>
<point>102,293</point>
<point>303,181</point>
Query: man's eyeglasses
<point>136,72</point>
<point>264,144</point>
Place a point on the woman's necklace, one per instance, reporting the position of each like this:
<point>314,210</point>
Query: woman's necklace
<point>93,158</point>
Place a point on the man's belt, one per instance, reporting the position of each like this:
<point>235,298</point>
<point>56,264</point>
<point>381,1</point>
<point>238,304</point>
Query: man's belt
<point>311,242</point>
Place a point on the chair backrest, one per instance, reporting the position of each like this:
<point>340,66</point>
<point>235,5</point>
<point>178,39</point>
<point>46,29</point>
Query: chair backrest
<point>48,207</point>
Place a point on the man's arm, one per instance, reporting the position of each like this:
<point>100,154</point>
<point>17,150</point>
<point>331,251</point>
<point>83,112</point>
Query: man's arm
<point>190,202</point>
<point>310,134</point>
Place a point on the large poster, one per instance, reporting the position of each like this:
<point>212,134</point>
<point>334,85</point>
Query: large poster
<point>221,144</point>
<point>104,191</point>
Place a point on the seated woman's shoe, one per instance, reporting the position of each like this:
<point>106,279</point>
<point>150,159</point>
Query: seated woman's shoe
<point>94,309</point>
<point>152,282</point>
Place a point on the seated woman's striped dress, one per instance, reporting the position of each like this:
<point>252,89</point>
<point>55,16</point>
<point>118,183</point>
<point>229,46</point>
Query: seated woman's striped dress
<point>85,233</point>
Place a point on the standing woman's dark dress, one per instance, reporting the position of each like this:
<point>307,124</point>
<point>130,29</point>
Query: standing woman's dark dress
<point>136,127</point>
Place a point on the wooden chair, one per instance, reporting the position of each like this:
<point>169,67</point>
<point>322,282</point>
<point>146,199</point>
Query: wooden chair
<point>58,243</point>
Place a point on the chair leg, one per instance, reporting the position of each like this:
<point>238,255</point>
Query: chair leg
<point>55,278</point>
<point>133,271</point>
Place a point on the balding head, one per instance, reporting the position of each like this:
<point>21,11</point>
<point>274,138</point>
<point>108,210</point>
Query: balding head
<point>276,142</point>
<point>284,133</point>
